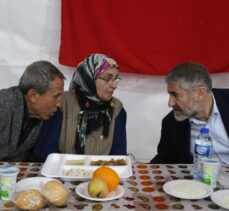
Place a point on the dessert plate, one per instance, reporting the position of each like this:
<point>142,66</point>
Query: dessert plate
<point>221,198</point>
<point>187,189</point>
<point>32,183</point>
<point>82,191</point>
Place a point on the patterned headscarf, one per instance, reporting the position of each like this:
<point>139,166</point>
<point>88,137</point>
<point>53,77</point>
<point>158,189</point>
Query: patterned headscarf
<point>87,72</point>
<point>94,112</point>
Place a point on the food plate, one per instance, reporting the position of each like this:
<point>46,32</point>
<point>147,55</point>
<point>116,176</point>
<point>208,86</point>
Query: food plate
<point>187,189</point>
<point>82,191</point>
<point>32,183</point>
<point>70,167</point>
<point>221,198</point>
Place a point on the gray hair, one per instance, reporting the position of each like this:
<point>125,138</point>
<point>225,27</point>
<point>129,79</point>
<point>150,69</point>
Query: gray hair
<point>190,75</point>
<point>38,76</point>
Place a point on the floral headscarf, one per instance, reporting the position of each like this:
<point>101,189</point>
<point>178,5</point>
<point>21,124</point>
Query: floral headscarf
<point>87,72</point>
<point>94,112</point>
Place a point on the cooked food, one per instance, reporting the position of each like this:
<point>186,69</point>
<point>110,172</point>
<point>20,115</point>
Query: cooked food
<point>111,162</point>
<point>30,200</point>
<point>78,172</point>
<point>55,192</point>
<point>74,162</point>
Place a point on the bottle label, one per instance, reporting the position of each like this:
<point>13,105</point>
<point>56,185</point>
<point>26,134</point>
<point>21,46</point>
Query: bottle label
<point>203,150</point>
<point>5,188</point>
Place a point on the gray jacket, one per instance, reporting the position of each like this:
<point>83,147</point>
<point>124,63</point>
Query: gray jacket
<point>11,119</point>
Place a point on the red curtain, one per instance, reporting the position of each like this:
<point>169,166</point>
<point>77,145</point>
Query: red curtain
<point>147,36</point>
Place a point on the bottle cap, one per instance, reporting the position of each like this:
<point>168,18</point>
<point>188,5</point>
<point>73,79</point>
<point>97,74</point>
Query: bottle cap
<point>204,130</point>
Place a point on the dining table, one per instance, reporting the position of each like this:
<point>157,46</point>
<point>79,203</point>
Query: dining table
<point>143,190</point>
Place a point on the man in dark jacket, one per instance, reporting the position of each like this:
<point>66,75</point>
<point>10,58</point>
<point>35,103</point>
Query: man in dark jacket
<point>195,105</point>
<point>23,107</point>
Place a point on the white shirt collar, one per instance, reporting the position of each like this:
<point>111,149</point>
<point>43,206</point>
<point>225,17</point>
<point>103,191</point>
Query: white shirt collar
<point>215,112</point>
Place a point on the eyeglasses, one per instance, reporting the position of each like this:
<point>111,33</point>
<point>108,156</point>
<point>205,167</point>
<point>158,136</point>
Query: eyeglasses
<point>110,80</point>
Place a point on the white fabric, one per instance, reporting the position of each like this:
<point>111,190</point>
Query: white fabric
<point>30,31</point>
<point>219,135</point>
<point>216,131</point>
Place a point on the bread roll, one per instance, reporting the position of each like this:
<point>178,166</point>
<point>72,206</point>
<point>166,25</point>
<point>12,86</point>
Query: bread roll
<point>55,192</point>
<point>30,200</point>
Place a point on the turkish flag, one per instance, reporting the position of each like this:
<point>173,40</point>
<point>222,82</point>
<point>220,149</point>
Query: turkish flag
<point>146,36</point>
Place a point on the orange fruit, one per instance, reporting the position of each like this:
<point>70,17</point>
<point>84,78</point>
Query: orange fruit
<point>109,175</point>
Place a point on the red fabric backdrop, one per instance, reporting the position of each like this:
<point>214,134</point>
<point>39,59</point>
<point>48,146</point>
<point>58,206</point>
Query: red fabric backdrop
<point>147,36</point>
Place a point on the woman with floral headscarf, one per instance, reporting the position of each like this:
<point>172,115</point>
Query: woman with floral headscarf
<point>93,121</point>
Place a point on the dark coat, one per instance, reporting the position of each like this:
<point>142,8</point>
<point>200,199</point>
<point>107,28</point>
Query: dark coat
<point>48,140</point>
<point>174,145</point>
<point>11,119</point>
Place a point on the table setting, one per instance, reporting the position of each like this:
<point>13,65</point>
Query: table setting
<point>141,187</point>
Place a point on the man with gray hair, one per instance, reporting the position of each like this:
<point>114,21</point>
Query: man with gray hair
<point>195,105</point>
<point>24,107</point>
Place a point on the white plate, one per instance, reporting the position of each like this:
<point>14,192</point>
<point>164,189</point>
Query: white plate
<point>221,198</point>
<point>82,191</point>
<point>32,183</point>
<point>56,165</point>
<point>187,189</point>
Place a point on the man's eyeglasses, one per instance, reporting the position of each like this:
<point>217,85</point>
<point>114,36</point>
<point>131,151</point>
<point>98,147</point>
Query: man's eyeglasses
<point>110,80</point>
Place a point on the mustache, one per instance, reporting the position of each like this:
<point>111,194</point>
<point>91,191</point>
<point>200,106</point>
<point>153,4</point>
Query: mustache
<point>176,108</point>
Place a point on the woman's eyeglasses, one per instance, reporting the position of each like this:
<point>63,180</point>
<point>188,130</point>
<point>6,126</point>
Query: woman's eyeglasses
<point>110,80</point>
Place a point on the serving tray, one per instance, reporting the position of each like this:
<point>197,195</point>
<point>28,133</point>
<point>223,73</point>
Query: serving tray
<point>70,167</point>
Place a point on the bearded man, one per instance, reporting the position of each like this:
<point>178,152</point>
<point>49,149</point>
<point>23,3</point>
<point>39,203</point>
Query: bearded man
<point>195,105</point>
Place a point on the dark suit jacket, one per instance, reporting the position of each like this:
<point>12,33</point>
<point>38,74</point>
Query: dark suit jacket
<point>174,145</point>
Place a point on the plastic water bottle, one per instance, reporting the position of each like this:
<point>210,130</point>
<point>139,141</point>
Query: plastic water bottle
<point>203,148</point>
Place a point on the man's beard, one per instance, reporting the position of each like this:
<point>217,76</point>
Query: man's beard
<point>183,116</point>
